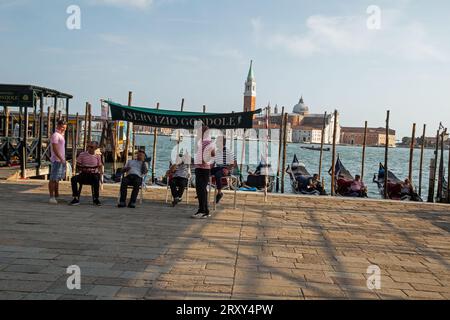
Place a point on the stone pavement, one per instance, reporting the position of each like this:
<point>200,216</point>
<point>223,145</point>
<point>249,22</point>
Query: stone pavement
<point>289,248</point>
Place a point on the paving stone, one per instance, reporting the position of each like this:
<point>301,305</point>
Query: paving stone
<point>292,247</point>
<point>104,291</point>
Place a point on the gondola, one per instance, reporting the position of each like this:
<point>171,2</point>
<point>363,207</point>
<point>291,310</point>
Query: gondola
<point>300,178</point>
<point>315,148</point>
<point>344,180</point>
<point>394,186</point>
<point>257,179</point>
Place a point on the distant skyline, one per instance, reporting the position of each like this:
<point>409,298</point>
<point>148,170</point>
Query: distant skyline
<point>166,50</point>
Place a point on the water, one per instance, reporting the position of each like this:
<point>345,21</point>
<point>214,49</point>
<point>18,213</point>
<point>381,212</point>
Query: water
<point>350,157</point>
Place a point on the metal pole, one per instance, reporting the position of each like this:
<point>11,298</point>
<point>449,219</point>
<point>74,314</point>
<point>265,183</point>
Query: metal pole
<point>283,173</point>
<point>129,124</point>
<point>155,141</point>
<point>363,164</point>
<point>386,156</point>
<point>411,153</point>
<point>422,148</point>
<point>322,141</point>
<point>333,161</point>
<point>280,145</point>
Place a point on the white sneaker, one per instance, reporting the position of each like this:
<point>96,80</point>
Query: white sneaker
<point>53,201</point>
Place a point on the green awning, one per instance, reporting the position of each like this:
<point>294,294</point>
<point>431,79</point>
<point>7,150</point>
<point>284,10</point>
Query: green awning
<point>180,120</point>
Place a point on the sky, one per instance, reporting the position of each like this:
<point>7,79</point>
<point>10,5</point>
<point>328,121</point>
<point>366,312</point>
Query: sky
<point>200,50</point>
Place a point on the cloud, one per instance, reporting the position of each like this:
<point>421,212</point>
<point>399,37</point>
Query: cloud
<point>114,39</point>
<point>228,53</point>
<point>138,4</point>
<point>349,35</point>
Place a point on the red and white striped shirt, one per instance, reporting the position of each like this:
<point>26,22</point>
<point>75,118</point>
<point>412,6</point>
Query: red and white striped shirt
<point>90,162</point>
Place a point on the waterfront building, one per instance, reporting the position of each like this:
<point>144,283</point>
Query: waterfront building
<point>376,137</point>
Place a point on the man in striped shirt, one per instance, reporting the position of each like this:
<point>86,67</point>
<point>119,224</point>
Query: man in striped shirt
<point>224,163</point>
<point>90,166</point>
<point>206,152</point>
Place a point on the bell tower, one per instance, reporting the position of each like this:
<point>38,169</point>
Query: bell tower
<point>250,91</point>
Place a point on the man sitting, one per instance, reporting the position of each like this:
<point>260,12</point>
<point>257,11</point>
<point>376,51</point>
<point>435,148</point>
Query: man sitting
<point>178,175</point>
<point>136,170</point>
<point>90,166</point>
<point>357,188</point>
<point>225,162</point>
<point>313,186</point>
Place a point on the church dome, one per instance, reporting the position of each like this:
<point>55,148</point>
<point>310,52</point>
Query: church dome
<point>300,107</point>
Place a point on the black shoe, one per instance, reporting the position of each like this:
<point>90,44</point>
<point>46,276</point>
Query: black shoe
<point>205,216</point>
<point>121,205</point>
<point>197,215</point>
<point>219,197</point>
<point>131,206</point>
<point>175,201</point>
<point>97,203</point>
<point>75,202</point>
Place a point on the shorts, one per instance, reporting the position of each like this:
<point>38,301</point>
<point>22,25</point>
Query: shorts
<point>57,171</point>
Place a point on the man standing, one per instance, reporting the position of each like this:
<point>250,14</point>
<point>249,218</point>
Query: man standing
<point>58,160</point>
<point>136,170</point>
<point>90,165</point>
<point>203,160</point>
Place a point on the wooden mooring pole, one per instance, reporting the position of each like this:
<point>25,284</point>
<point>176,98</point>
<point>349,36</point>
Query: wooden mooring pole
<point>333,156</point>
<point>411,153</point>
<point>422,148</point>
<point>363,161</point>
<point>322,141</point>
<point>283,167</point>
<point>75,145</point>
<point>178,130</point>
<point>155,142</point>
<point>127,141</point>
<point>280,148</point>
<point>433,167</point>
<point>85,126</point>
<point>90,123</point>
<point>441,169</point>
<point>386,157</point>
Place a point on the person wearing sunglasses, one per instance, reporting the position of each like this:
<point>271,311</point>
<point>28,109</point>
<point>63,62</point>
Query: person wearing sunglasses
<point>89,165</point>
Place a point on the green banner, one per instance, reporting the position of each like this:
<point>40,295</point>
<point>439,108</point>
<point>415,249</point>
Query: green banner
<point>180,120</point>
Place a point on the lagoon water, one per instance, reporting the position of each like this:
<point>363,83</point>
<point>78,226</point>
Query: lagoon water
<point>350,157</point>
